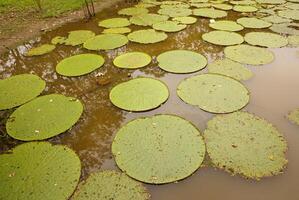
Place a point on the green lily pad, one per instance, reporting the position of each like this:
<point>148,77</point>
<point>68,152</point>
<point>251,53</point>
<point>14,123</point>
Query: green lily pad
<point>139,94</point>
<point>114,22</point>
<point>293,40</point>
<point>169,26</point>
<point>293,116</point>
<point>145,5</point>
<point>78,37</point>
<point>19,89</point>
<point>290,14</point>
<point>249,54</point>
<point>185,20</point>
<point>181,61</point>
<point>294,6</point>
<point>214,93</point>
<point>39,170</point>
<point>132,11</point>
<point>58,40</point>
<point>242,143</point>
<point>272,2</point>
<point>201,5</point>
<point>230,68</point>
<point>147,36</point>
<point>108,185</point>
<point>175,12</point>
<point>241,8</point>
<point>223,6</point>
<point>44,117</point>
<point>41,50</point>
<point>79,65</point>
<point>243,2</point>
<point>106,42</point>
<point>182,5</point>
<point>176,143</point>
<point>209,13</point>
<point>132,60</point>
<point>252,22</point>
<point>226,25</point>
<point>224,38</point>
<point>286,28</point>
<point>275,19</point>
<point>147,19</point>
<point>121,30</point>
<point>265,39</point>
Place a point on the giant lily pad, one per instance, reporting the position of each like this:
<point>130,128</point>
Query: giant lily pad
<point>294,40</point>
<point>293,116</point>
<point>79,64</point>
<point>19,89</point>
<point>159,149</point>
<point>147,19</point>
<point>41,50</point>
<point>108,185</point>
<point>286,28</point>
<point>175,12</point>
<point>132,11</point>
<point>249,54</point>
<point>185,20</point>
<point>242,143</point>
<point>121,30</point>
<point>241,8</point>
<point>139,94</point>
<point>181,61</point>
<point>147,36</point>
<point>44,117</point>
<point>224,38</point>
<point>169,26</point>
<point>222,6</point>
<point>242,2</point>
<point>230,68</point>
<point>276,19</point>
<point>39,170</point>
<point>114,22</point>
<point>290,14</point>
<point>78,37</point>
<point>214,93</point>
<point>106,42</point>
<point>272,2</point>
<point>209,13</point>
<point>132,60</point>
<point>252,22</point>
<point>226,25</point>
<point>265,39</point>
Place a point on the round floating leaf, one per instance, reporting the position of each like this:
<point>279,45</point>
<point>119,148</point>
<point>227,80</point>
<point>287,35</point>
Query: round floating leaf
<point>240,8</point>
<point>114,22</point>
<point>225,25</point>
<point>79,65</point>
<point>276,19</point>
<point>44,117</point>
<point>294,40</point>
<point>271,1</point>
<point>294,116</point>
<point>147,36</point>
<point>121,30</point>
<point>147,19</point>
<point>108,185</point>
<point>181,61</point>
<point>230,68</point>
<point>41,50</point>
<point>249,54</point>
<point>144,5</point>
<point>78,37</point>
<point>19,89</point>
<point>106,42</point>
<point>222,6</point>
<point>39,170</point>
<point>214,93</point>
<point>209,13</point>
<point>294,6</point>
<point>242,143</point>
<point>201,5</point>
<point>290,14</point>
<point>169,26</point>
<point>224,38</point>
<point>139,94</point>
<point>132,11</point>
<point>176,143</point>
<point>243,2</point>
<point>58,40</point>
<point>265,39</point>
<point>132,60</point>
<point>286,28</point>
<point>175,12</point>
<point>251,22</point>
<point>185,20</point>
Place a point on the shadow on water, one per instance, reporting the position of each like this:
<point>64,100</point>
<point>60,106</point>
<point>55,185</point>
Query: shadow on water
<point>274,92</point>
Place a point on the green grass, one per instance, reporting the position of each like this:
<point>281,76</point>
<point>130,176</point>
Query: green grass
<point>50,8</point>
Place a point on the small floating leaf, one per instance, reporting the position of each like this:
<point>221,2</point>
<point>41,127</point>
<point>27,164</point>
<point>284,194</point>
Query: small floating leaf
<point>290,14</point>
<point>147,36</point>
<point>44,117</point>
<point>41,50</point>
<point>139,94</point>
<point>114,22</point>
<point>132,60</point>
<point>139,143</point>
<point>78,37</point>
<point>294,40</point>
<point>132,11</point>
<point>106,42</point>
<point>293,116</point>
<point>241,8</point>
<point>175,12</point>
<point>209,13</point>
<point>169,26</point>
<point>121,30</point>
<point>224,38</point>
<point>185,20</point>
<point>265,39</point>
<point>226,25</point>
<point>286,28</point>
<point>147,19</point>
<point>276,19</point>
<point>251,22</point>
<point>58,40</point>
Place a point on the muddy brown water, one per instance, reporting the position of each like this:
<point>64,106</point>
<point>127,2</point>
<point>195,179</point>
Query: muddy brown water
<point>274,92</point>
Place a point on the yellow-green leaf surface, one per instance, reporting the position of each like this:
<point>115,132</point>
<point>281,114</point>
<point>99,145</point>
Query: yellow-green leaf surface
<point>147,19</point>
<point>265,39</point>
<point>169,26</point>
<point>252,22</point>
<point>114,22</point>
<point>121,30</point>
<point>106,42</point>
<point>132,60</point>
<point>226,25</point>
<point>293,116</point>
<point>147,36</point>
<point>175,12</point>
<point>242,8</point>
<point>293,40</point>
<point>209,13</point>
<point>132,11</point>
<point>78,37</point>
<point>185,20</point>
<point>41,50</point>
<point>224,38</point>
